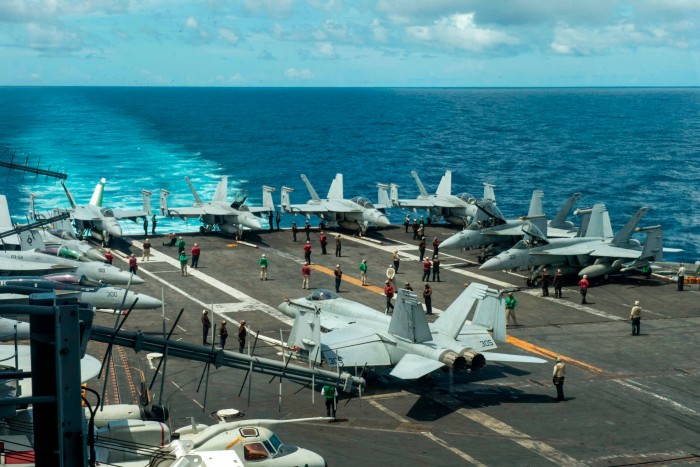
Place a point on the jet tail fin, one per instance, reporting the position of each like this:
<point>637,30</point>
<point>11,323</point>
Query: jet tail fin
<point>285,202</point>
<point>221,190</point>
<point>421,188</point>
<point>654,245</point>
<point>146,195</point>
<point>32,210</point>
<point>489,194</point>
<point>559,219</point>
<point>98,194</point>
<point>164,202</point>
<point>5,218</point>
<point>408,320</point>
<point>28,240</point>
<point>383,200</point>
<point>536,204</point>
<point>267,202</point>
<point>623,236</point>
<point>598,224</point>
<point>445,186</point>
<point>451,321</point>
<point>336,189</point>
<point>68,195</point>
<point>197,199</point>
<point>394,194</point>
<point>306,333</point>
<point>490,312</point>
<point>309,186</point>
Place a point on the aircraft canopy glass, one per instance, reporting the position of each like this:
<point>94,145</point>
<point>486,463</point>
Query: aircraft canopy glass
<point>362,201</point>
<point>322,294</point>
<point>530,229</point>
<point>467,198</point>
<point>489,208</point>
<point>240,197</point>
<point>107,212</point>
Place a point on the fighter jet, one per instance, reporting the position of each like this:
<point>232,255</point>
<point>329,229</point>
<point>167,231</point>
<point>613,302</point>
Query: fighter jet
<point>456,209</point>
<point>494,230</point>
<point>229,217</point>
<point>352,214</point>
<point>34,260</point>
<point>593,254</point>
<point>361,336</point>
<point>102,222</point>
<point>103,296</point>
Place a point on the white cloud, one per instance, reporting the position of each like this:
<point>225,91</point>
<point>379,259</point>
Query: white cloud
<point>591,41</point>
<point>326,50</point>
<point>459,32</point>
<point>273,8</point>
<point>229,35</point>
<point>52,38</point>
<point>379,32</point>
<point>191,23</point>
<point>293,73</point>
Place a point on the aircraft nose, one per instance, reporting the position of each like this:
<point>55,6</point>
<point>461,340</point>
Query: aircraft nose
<point>146,302</point>
<point>494,264</point>
<point>451,242</point>
<point>95,255</point>
<point>251,222</point>
<point>115,230</point>
<point>382,221</point>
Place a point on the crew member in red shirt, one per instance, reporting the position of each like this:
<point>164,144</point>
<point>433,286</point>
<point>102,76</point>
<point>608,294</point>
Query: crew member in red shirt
<point>195,255</point>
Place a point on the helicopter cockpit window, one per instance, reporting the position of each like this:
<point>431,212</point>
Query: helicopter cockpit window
<point>255,451</point>
<point>248,432</point>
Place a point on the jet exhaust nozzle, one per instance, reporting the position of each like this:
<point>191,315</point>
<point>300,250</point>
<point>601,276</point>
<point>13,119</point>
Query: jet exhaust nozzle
<point>474,359</point>
<point>454,360</point>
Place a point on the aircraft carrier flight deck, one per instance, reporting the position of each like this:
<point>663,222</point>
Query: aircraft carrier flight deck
<point>629,399</point>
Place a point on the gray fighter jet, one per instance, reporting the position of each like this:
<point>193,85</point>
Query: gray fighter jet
<point>352,214</point>
<point>361,336</point>
<point>592,254</point>
<point>459,209</point>
<point>102,222</point>
<point>230,217</point>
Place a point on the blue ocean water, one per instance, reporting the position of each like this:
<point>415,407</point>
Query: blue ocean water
<point>626,147</point>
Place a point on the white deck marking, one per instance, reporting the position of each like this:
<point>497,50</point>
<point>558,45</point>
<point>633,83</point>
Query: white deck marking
<point>389,412</point>
<point>646,390</point>
<point>466,457</point>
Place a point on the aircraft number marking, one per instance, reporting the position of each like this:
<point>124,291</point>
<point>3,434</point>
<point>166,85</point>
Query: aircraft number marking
<point>102,270</point>
<point>112,294</point>
<point>335,360</point>
<point>486,343</point>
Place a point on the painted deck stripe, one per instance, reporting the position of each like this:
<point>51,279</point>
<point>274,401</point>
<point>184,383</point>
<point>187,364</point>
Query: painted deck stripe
<point>465,457</point>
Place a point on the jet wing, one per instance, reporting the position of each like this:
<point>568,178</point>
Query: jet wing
<point>591,248</point>
<point>84,215</point>
<point>196,211</point>
<point>413,366</point>
<point>504,357</point>
<point>10,266</point>
<point>309,208</point>
<point>512,231</point>
<point>128,213</point>
<point>355,345</point>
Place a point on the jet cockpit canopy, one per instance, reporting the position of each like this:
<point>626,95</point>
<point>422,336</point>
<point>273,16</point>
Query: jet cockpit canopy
<point>322,294</point>
<point>239,199</point>
<point>362,201</point>
<point>467,198</point>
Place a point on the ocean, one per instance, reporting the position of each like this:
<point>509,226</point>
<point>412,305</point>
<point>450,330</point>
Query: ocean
<point>625,147</point>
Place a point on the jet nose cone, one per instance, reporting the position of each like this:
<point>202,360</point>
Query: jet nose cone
<point>146,302</point>
<point>284,308</point>
<point>451,242</point>
<point>115,230</point>
<point>382,221</point>
<point>95,255</point>
<point>494,264</point>
<point>252,222</point>
<point>136,280</point>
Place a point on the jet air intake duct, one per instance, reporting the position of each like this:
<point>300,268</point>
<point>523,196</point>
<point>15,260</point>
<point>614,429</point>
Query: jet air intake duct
<point>453,360</point>
<point>474,359</point>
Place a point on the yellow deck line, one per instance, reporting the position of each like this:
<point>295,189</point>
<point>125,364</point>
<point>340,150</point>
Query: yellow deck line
<point>348,279</point>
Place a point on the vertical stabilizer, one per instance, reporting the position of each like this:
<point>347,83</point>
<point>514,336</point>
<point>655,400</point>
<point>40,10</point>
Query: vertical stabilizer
<point>5,218</point>
<point>654,245</point>
<point>490,313</point>
<point>452,320</point>
<point>596,221</point>
<point>97,195</point>
<point>221,190</point>
<point>29,240</point>
<point>32,209</point>
<point>394,195</point>
<point>197,199</point>
<point>164,202</point>
<point>306,333</point>
<point>489,194</point>
<point>536,204</point>
<point>559,219</point>
<point>267,202</point>
<point>623,236</point>
<point>146,195</point>
<point>336,189</point>
<point>310,188</point>
<point>68,195</point>
<point>445,186</point>
<point>421,188</point>
<point>285,202</point>
<point>408,320</point>
<point>383,201</point>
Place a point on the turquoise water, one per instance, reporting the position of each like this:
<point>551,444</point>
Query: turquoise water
<point>626,147</point>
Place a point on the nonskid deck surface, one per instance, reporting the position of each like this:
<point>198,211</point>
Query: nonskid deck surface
<point>629,399</point>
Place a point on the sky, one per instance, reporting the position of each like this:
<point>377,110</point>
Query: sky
<point>385,43</point>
